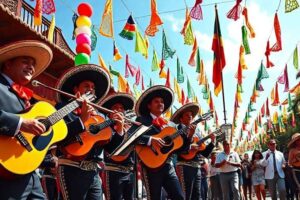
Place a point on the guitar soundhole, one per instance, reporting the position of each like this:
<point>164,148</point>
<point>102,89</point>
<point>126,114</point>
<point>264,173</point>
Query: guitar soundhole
<point>94,129</point>
<point>169,143</point>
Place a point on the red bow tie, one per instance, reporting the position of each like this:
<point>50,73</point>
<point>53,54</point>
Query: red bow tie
<point>159,122</point>
<point>23,93</point>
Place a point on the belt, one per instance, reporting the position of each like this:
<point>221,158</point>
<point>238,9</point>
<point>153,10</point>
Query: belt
<point>84,165</point>
<point>189,163</point>
<point>118,168</point>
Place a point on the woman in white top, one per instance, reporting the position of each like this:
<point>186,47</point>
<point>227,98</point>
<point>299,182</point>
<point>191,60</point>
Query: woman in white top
<point>258,175</point>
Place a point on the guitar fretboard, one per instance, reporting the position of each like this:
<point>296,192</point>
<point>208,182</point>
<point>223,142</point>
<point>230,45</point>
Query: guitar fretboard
<point>181,131</point>
<point>61,113</point>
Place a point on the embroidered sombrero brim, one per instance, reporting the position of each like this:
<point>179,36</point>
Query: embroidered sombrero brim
<point>295,137</point>
<point>125,99</point>
<point>190,107</point>
<point>141,107</point>
<point>31,48</point>
<point>76,75</point>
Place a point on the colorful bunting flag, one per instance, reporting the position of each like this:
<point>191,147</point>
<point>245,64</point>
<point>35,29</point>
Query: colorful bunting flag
<point>277,46</point>
<point>198,60</point>
<point>196,11</point>
<point>284,79</point>
<point>137,76</point>
<point>182,97</point>
<point>113,72</point>
<point>177,90</point>
<point>38,13</point>
<point>245,40</point>
<point>140,44</point>
<point>154,21</point>
<point>251,30</point>
<point>262,110</point>
<point>117,55</point>
<point>122,84</point>
<point>168,84</point>
<point>276,101</point>
<point>186,22</point>
<point>235,12</point>
<point>295,58</point>
<point>48,7</point>
<point>155,62</point>
<point>267,54</point>
<point>129,68</point>
<point>202,77</point>
<point>190,90</point>
<point>51,29</point>
<point>262,74</point>
<point>189,35</point>
<point>166,50</point>
<point>103,65</point>
<point>180,76</point>
<point>293,121</point>
<point>106,26</point>
<point>129,29</point>
<point>291,5</point>
<point>93,38</point>
<point>193,54</point>
<point>219,57</point>
<point>267,108</point>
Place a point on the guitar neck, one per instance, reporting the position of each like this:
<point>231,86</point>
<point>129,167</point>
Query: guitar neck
<point>61,113</point>
<point>182,131</point>
<point>105,124</point>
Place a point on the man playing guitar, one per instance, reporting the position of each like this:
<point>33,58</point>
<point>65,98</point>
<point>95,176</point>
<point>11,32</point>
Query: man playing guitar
<point>189,170</point>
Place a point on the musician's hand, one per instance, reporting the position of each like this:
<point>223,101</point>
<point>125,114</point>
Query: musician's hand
<point>53,170</point>
<point>155,141</point>
<point>119,119</point>
<point>194,147</point>
<point>86,111</point>
<point>213,138</point>
<point>191,130</point>
<point>32,126</point>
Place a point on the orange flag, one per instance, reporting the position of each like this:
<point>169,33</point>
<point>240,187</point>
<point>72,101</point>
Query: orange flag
<point>38,13</point>
<point>276,101</point>
<point>168,84</point>
<point>154,21</point>
<point>106,27</point>
<point>194,51</point>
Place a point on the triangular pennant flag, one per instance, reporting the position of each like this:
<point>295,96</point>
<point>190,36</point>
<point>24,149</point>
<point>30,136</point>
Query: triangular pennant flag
<point>48,7</point>
<point>162,72</point>
<point>198,60</point>
<point>295,58</point>
<point>186,22</point>
<point>166,50</point>
<point>140,44</point>
<point>196,11</point>
<point>117,55</point>
<point>190,90</point>
<point>293,121</point>
<point>262,110</point>
<point>51,29</point>
<point>291,5</point>
<point>219,57</point>
<point>137,76</point>
<point>277,46</point>
<point>37,20</point>
<point>235,12</point>
<point>113,72</point>
<point>168,84</point>
<point>267,108</point>
<point>290,102</point>
<point>137,93</point>
<point>262,74</point>
<point>193,54</point>
<point>143,86</point>
<point>182,97</point>
<point>180,76</point>
<point>267,53</point>
<point>106,26</point>
<point>129,29</point>
<point>103,65</point>
<point>150,83</point>
<point>189,35</point>
<point>284,79</point>
<point>155,62</point>
<point>276,101</point>
<point>122,84</point>
<point>154,21</point>
<point>93,38</point>
<point>129,68</point>
<point>245,40</point>
<point>251,30</point>
<point>202,77</point>
<point>177,90</point>
<point>211,103</point>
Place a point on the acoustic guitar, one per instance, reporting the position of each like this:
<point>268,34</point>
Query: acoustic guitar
<point>24,152</point>
<point>198,145</point>
<point>97,131</point>
<point>155,156</point>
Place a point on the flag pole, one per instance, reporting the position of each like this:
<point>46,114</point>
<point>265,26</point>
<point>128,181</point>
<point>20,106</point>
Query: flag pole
<point>223,96</point>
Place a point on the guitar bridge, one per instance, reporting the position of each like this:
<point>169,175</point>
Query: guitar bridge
<point>23,141</point>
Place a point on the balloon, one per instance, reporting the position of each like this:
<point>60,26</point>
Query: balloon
<point>83,21</point>
<point>81,59</point>
<point>83,48</point>
<point>83,29</point>
<point>83,38</point>
<point>85,9</point>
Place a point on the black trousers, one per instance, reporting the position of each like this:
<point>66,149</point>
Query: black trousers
<point>119,185</point>
<point>78,184</point>
<point>22,188</point>
<point>164,177</point>
<point>190,180</point>
<point>50,188</point>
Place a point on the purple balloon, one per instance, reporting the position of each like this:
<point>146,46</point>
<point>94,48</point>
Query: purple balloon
<point>83,38</point>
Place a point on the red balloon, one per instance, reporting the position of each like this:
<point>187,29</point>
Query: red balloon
<point>85,9</point>
<point>83,48</point>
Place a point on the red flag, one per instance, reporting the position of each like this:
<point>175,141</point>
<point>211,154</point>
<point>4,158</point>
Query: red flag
<point>219,57</point>
<point>277,46</point>
<point>196,11</point>
<point>211,103</point>
<point>154,21</point>
<point>143,86</point>
<point>267,53</point>
<point>276,101</point>
<point>182,97</point>
<point>138,76</point>
<point>235,12</point>
<point>48,7</point>
<point>262,110</point>
<point>267,108</point>
<point>168,84</point>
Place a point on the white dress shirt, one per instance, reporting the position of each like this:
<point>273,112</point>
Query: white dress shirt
<point>268,163</point>
<point>231,157</point>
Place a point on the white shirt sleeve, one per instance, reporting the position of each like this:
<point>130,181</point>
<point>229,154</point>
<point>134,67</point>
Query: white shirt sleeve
<point>19,126</point>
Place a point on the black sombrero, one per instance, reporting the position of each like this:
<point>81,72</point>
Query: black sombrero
<point>90,72</point>
<point>152,92</point>
<point>123,98</point>
<point>192,107</point>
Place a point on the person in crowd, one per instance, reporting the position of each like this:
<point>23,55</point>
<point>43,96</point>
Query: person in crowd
<point>294,160</point>
<point>214,178</point>
<point>229,162</point>
<point>274,164</point>
<point>246,176</point>
<point>20,62</point>
<point>258,175</point>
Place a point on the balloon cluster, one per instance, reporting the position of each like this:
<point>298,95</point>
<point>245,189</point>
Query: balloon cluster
<point>83,34</point>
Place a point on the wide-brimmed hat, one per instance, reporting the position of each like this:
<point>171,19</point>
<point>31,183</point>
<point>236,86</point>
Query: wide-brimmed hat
<point>76,75</point>
<point>189,107</point>
<point>123,98</point>
<point>295,137</point>
<point>31,48</point>
<point>141,107</point>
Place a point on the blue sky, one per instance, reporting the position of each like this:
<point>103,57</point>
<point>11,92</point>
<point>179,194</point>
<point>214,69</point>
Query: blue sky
<point>261,15</point>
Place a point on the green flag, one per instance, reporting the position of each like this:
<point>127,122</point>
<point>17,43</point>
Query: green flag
<point>191,93</point>
<point>262,74</point>
<point>155,62</point>
<point>189,35</point>
<point>180,76</point>
<point>245,40</point>
<point>295,58</point>
<point>198,59</point>
<point>166,50</point>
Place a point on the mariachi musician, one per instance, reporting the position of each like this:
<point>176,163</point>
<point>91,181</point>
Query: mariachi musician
<point>79,176</point>
<point>119,176</point>
<point>19,63</point>
<point>188,170</point>
<point>150,107</point>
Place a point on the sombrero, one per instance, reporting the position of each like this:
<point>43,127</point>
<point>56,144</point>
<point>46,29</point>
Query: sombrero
<point>295,137</point>
<point>90,72</point>
<point>31,48</point>
<point>192,107</point>
<point>123,98</point>
<point>141,107</point>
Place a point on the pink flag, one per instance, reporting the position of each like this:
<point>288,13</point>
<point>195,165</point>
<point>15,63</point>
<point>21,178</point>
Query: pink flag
<point>129,68</point>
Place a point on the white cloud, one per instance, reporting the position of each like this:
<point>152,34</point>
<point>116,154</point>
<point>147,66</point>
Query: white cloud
<point>176,23</point>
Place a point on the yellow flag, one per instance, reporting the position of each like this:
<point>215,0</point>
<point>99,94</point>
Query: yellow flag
<point>202,78</point>
<point>272,95</point>
<point>103,65</point>
<point>122,83</point>
<point>51,29</point>
<point>106,27</point>
<point>275,118</point>
<point>242,57</point>
<point>163,74</point>
<point>177,90</point>
<point>140,44</point>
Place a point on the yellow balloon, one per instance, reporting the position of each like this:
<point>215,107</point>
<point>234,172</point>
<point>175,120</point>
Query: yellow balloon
<point>83,21</point>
